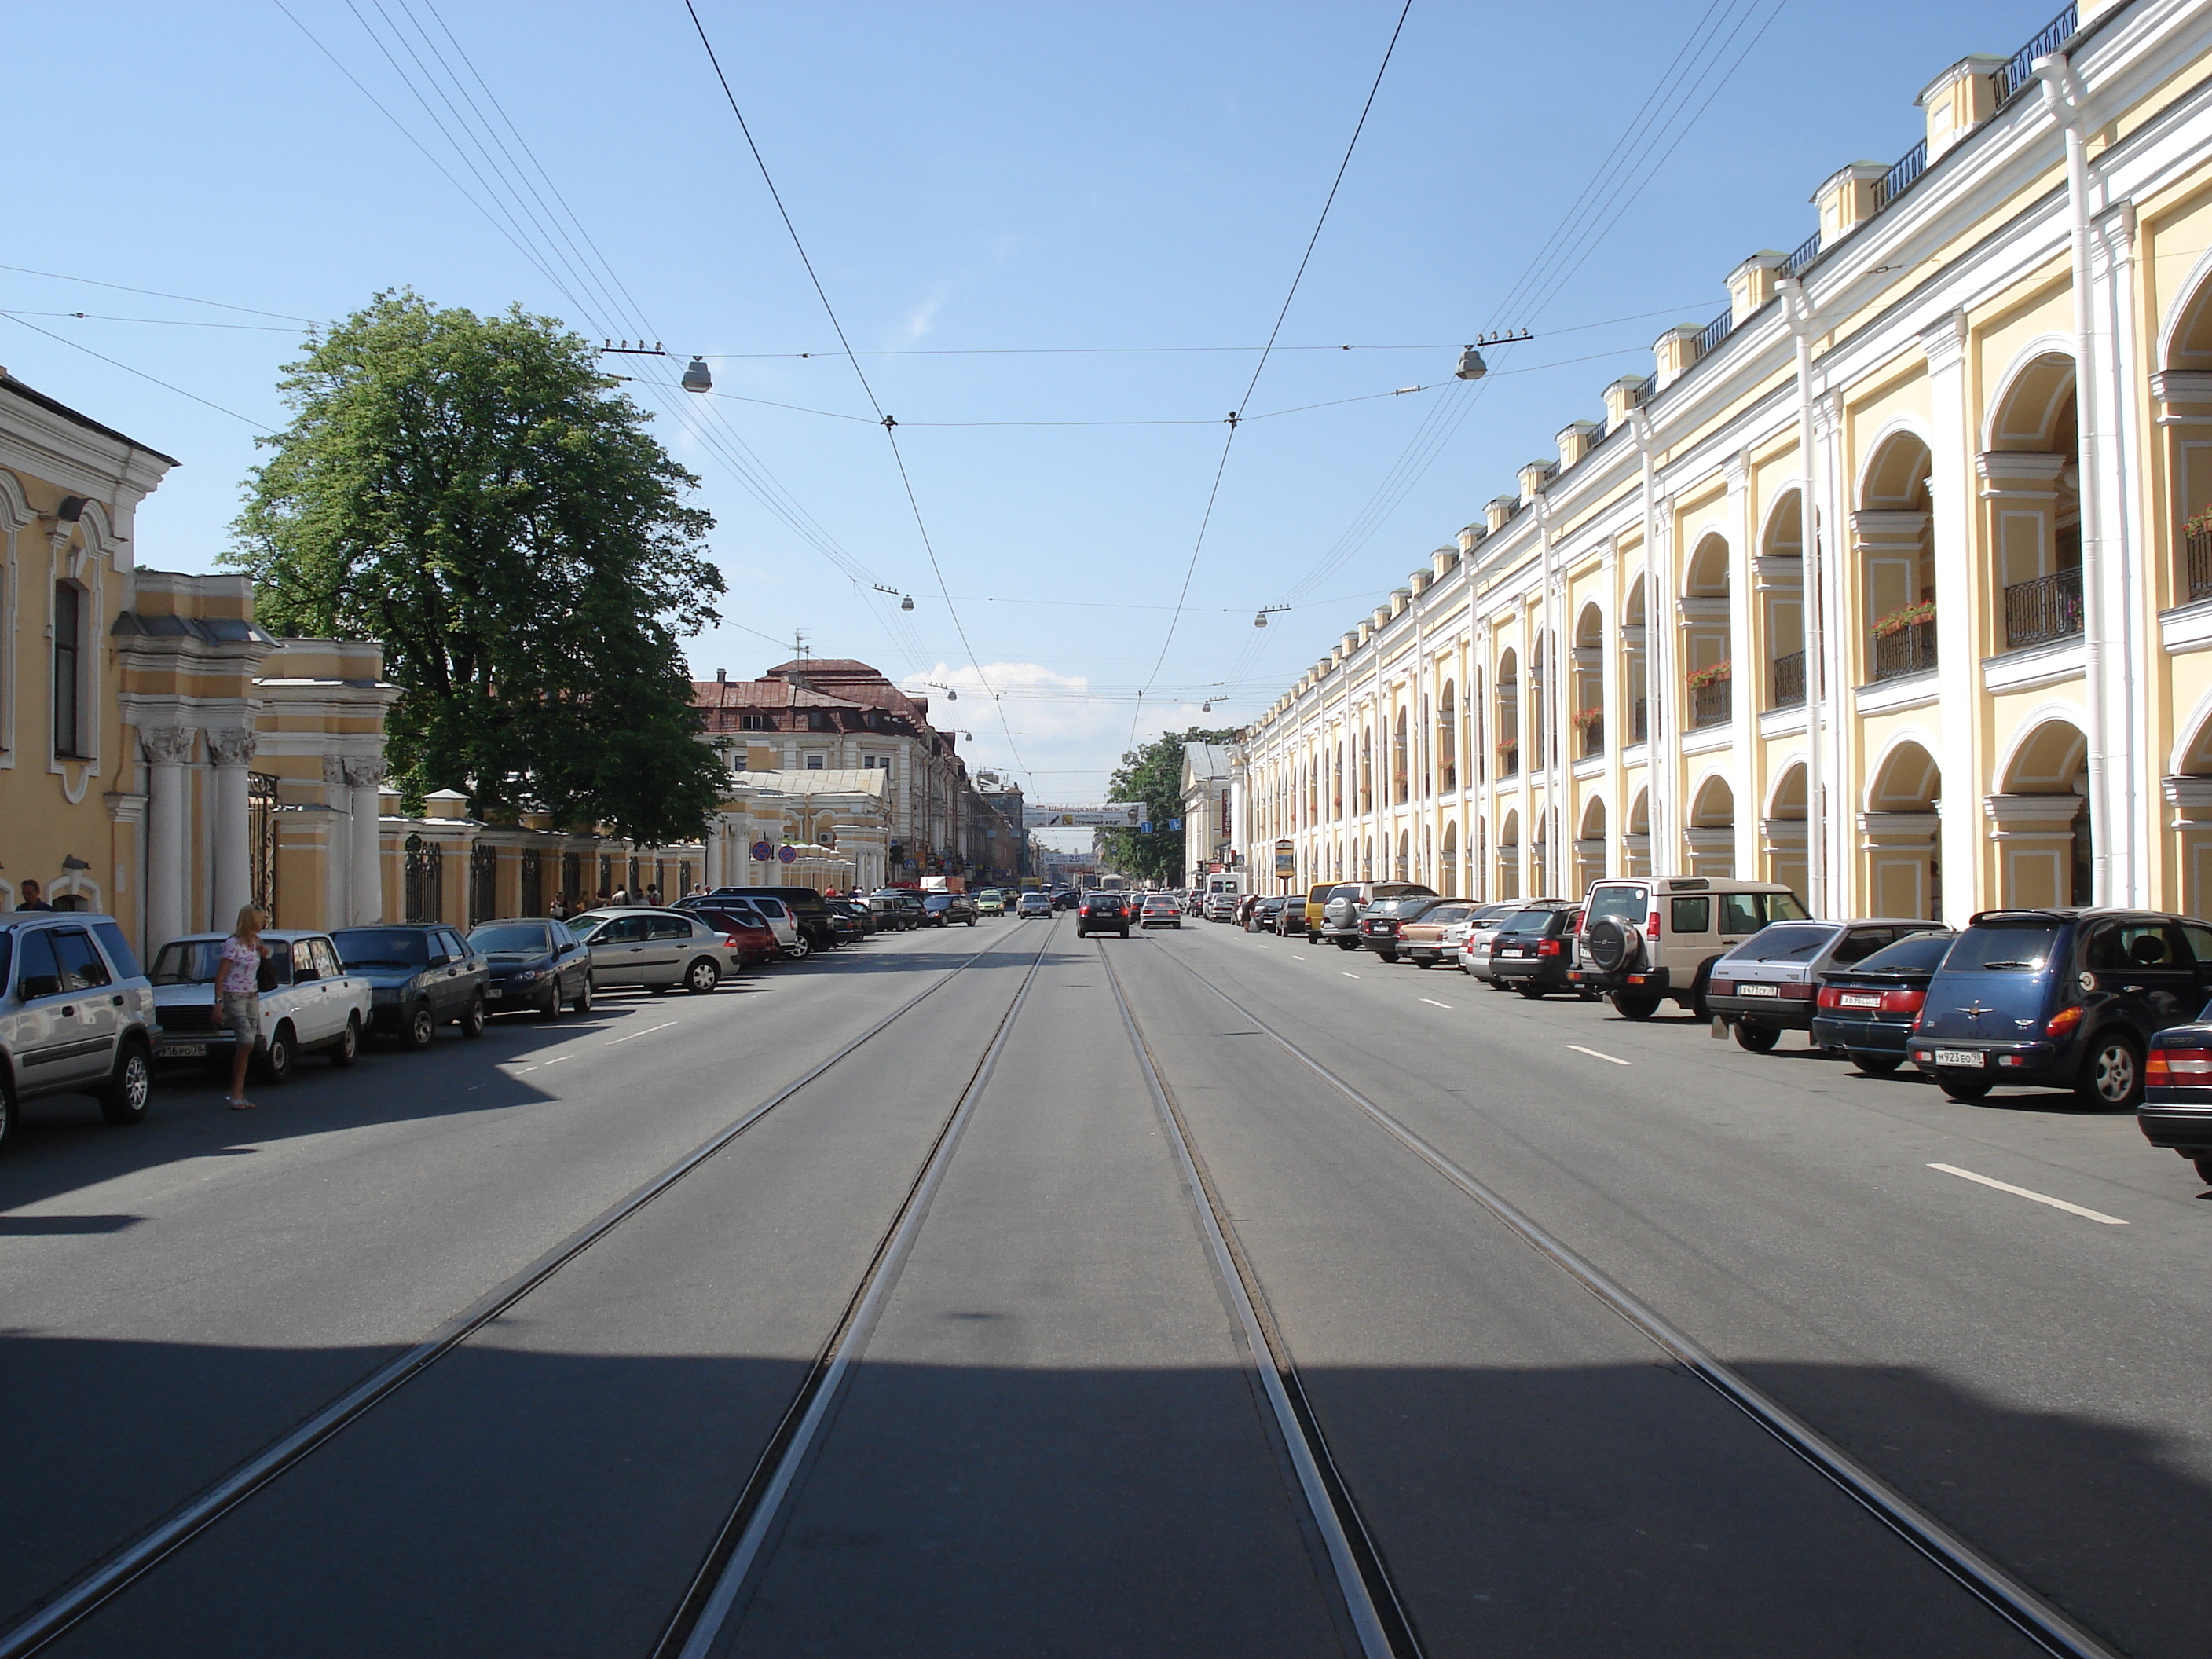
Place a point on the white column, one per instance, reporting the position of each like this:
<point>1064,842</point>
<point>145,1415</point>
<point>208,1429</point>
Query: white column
<point>1747,778</point>
<point>167,876</point>
<point>364,784</point>
<point>337,875</point>
<point>231,751</point>
<point>1959,600</point>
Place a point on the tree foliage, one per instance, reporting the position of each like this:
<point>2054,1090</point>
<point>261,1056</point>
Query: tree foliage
<point>1155,780</point>
<point>478,494</point>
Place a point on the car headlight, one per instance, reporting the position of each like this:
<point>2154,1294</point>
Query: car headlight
<point>526,975</point>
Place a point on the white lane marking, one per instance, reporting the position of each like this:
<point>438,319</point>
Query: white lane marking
<point>2022,1192</point>
<point>635,1035</point>
<point>1593,1055</point>
<point>1295,957</point>
<point>1433,1003</point>
<point>560,1059</point>
<point>1351,975</point>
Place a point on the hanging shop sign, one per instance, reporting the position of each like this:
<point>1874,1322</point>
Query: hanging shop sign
<point>1287,858</point>
<point>1113,815</point>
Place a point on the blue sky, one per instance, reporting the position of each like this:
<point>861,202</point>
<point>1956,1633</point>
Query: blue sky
<point>969,180</point>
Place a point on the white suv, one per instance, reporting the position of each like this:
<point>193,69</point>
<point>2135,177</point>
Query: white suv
<point>1649,939</point>
<point>76,1016</point>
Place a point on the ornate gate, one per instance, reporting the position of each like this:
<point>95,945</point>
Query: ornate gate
<point>572,881</point>
<point>425,887</point>
<point>484,885</point>
<point>261,835</point>
<point>533,882</point>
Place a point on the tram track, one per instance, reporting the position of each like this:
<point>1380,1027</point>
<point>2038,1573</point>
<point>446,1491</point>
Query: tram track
<point>69,1606</point>
<point>1973,1570</point>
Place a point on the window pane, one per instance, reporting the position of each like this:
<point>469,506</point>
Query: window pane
<point>38,974</point>
<point>1740,913</point>
<point>82,967</point>
<point>118,948</point>
<point>1692,915</point>
<point>2003,950</point>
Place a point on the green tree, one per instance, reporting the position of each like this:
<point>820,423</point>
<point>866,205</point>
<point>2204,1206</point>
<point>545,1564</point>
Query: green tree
<point>1156,778</point>
<point>478,494</point>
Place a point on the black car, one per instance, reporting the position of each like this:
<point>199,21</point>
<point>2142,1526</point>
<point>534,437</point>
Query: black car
<point>1379,923</point>
<point>2177,1105</point>
<point>420,976</point>
<point>535,964</point>
<point>1868,1009</point>
<point>896,910</point>
<point>858,909</point>
<point>1104,912</point>
<point>943,909</point>
<point>809,909</point>
<point>1532,953</point>
<point>1066,899</point>
<point>1263,915</point>
<point>2062,998</point>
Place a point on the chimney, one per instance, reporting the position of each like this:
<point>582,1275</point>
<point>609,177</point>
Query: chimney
<point>1752,283</point>
<point>1846,199</point>
<point>1673,353</point>
<point>1622,395</point>
<point>1960,100</point>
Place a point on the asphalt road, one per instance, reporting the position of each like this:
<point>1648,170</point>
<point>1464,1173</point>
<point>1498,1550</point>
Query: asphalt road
<point>1057,1435</point>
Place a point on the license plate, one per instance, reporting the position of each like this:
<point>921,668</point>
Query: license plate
<point>1972,1057</point>
<point>1756,991</point>
<point>1850,1001</point>
<point>1511,950</point>
<point>183,1050</point>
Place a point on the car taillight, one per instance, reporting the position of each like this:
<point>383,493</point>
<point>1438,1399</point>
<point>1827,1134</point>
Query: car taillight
<point>1721,987</point>
<point>1829,997</point>
<point>1549,947</point>
<point>1651,927</point>
<point>1797,992</point>
<point>2064,1020</point>
<point>2191,1067</point>
<point>1084,911</point>
<point>1903,1002</point>
<point>732,941</point>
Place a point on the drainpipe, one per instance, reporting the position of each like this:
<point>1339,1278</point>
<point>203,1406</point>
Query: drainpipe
<point>1659,618</point>
<point>1797,306</point>
<point>2068,101</point>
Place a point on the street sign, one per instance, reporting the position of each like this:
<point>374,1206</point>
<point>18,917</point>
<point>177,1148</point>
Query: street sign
<point>762,852</point>
<point>1286,859</point>
<point>1175,823</point>
<point>787,853</point>
<point>1114,814</point>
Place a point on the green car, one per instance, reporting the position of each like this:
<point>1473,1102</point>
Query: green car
<point>991,902</point>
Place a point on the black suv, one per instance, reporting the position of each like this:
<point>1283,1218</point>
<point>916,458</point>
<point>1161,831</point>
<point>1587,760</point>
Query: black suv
<point>2060,999</point>
<point>1103,913</point>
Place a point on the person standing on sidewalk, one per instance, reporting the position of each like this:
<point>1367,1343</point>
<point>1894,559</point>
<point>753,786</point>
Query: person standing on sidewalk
<point>238,999</point>
<point>33,898</point>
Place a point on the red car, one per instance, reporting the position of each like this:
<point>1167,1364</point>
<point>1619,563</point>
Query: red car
<point>745,932</point>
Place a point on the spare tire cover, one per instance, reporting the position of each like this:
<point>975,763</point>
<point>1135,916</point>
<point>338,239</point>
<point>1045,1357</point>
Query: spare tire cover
<point>1612,944</point>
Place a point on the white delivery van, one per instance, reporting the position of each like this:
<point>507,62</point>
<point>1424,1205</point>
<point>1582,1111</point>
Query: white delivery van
<point>1222,892</point>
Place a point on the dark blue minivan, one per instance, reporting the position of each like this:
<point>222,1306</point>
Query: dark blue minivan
<point>2060,999</point>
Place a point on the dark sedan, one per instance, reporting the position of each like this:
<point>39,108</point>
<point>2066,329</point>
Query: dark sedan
<point>2176,1112</point>
<point>1869,1008</point>
<point>1379,923</point>
<point>536,965</point>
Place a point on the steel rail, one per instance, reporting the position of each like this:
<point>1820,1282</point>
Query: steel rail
<point>1379,1621</point>
<point>107,1579</point>
<point>726,1573</point>
<point>2006,1595</point>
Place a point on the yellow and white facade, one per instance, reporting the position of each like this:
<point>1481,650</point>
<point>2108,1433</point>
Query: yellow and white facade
<point>1893,582</point>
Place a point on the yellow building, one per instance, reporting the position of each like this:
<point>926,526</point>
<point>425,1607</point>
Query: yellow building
<point>1888,582</point>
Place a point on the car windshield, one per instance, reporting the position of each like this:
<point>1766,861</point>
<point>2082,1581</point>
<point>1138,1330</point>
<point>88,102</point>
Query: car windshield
<point>380,947</point>
<point>582,927</point>
<point>510,939</point>
<point>188,962</point>
<point>2002,948</point>
<point>1922,953</point>
<point>1783,943</point>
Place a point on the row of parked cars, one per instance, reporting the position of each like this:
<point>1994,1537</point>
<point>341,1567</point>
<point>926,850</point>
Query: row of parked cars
<point>2114,1006</point>
<point>80,1015</point>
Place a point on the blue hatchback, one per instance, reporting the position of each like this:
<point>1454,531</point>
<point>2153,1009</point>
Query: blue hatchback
<point>2060,999</point>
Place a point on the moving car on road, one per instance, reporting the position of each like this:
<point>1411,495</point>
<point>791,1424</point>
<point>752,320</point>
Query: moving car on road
<point>420,976</point>
<point>76,1015</point>
<point>943,909</point>
<point>1103,913</point>
<point>1033,904</point>
<point>2066,998</point>
<point>315,1005</point>
<point>1160,910</point>
<point>1867,1009</point>
<point>991,902</point>
<point>535,964</point>
<point>1649,940</point>
<point>1769,983</point>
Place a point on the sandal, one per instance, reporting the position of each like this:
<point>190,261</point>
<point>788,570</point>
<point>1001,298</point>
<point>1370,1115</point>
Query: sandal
<point>240,1105</point>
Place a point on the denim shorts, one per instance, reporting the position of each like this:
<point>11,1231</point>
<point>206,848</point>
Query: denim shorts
<point>241,1015</point>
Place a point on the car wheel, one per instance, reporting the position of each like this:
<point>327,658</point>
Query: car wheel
<point>472,1018</point>
<point>277,1058</point>
<point>1630,1007</point>
<point>7,1114</point>
<point>419,1027</point>
<point>2203,1168</point>
<point>347,1049</point>
<point>801,946</point>
<point>1877,1065</point>
<point>1125,932</point>
<point>971,922</point>
<point>701,976</point>
<point>1962,1088</point>
<point>1533,990</point>
<point>1347,945</point>
<point>2111,1074</point>
<point>1757,1035</point>
<point>1424,962</point>
<point>1387,956</point>
<point>582,1005</point>
<point>123,1101</point>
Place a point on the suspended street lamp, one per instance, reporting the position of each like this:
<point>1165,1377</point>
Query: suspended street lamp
<point>697,377</point>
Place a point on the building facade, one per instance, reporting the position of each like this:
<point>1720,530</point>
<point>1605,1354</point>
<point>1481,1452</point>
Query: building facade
<point>1894,582</point>
<point>1207,787</point>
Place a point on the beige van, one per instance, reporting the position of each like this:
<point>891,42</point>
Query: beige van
<point>1649,939</point>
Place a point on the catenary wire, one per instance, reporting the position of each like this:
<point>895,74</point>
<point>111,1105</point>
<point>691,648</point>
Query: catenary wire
<point>259,426</point>
<point>156,294</point>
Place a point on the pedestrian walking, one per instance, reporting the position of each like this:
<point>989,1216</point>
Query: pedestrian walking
<point>32,899</point>
<point>653,894</point>
<point>560,910</point>
<point>238,999</point>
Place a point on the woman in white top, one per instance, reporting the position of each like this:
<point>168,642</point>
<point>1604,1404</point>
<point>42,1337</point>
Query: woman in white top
<point>238,999</point>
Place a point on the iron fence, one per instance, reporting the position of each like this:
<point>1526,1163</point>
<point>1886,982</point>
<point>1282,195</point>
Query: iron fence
<point>425,885</point>
<point>1711,705</point>
<point>1909,650</point>
<point>484,885</point>
<point>1789,681</point>
<point>2015,77</point>
<point>2197,559</point>
<point>1900,179</point>
<point>533,882</point>
<point>2042,609</point>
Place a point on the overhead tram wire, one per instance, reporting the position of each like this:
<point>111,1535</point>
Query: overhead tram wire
<point>259,426</point>
<point>1235,419</point>
<point>156,294</point>
<point>889,425</point>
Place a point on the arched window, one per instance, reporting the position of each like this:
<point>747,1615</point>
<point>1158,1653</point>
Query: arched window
<point>1366,771</point>
<point>1446,741</point>
<point>1398,762</point>
<point>69,735</point>
<point>1402,868</point>
<point>1509,717</point>
<point>1448,869</point>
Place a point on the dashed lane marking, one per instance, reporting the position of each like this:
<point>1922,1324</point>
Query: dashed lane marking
<point>1295,957</point>
<point>2037,1197</point>
<point>635,1035</point>
<point>1349,974</point>
<point>1593,1055</point>
<point>1433,1003</point>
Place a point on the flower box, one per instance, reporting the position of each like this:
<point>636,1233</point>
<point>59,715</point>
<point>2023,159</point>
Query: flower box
<point>1911,616</point>
<point>1713,673</point>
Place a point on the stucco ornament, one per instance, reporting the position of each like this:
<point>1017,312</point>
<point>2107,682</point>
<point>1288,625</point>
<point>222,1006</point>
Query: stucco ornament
<point>167,744</point>
<point>232,746</point>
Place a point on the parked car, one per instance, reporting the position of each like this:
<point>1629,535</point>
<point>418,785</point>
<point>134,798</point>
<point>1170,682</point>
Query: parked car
<point>2176,1112</point>
<point>1289,918</point>
<point>991,902</point>
<point>897,909</point>
<point>1260,918</point>
<point>1033,904</point>
<point>1867,1009</point>
<point>1474,956</point>
<point>420,976</point>
<point>1771,983</point>
<point>1348,902</point>
<point>1379,925</point>
<point>746,931</point>
<point>843,924</point>
<point>535,964</point>
<point>1160,910</point>
<point>655,950</point>
<point>1421,941</point>
<point>1103,913</point>
<point>2065,999</point>
<point>858,909</point>
<point>1533,952</point>
<point>76,1016</point>
<point>945,909</point>
<point>1649,940</point>
<point>315,1004</point>
<point>808,908</point>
